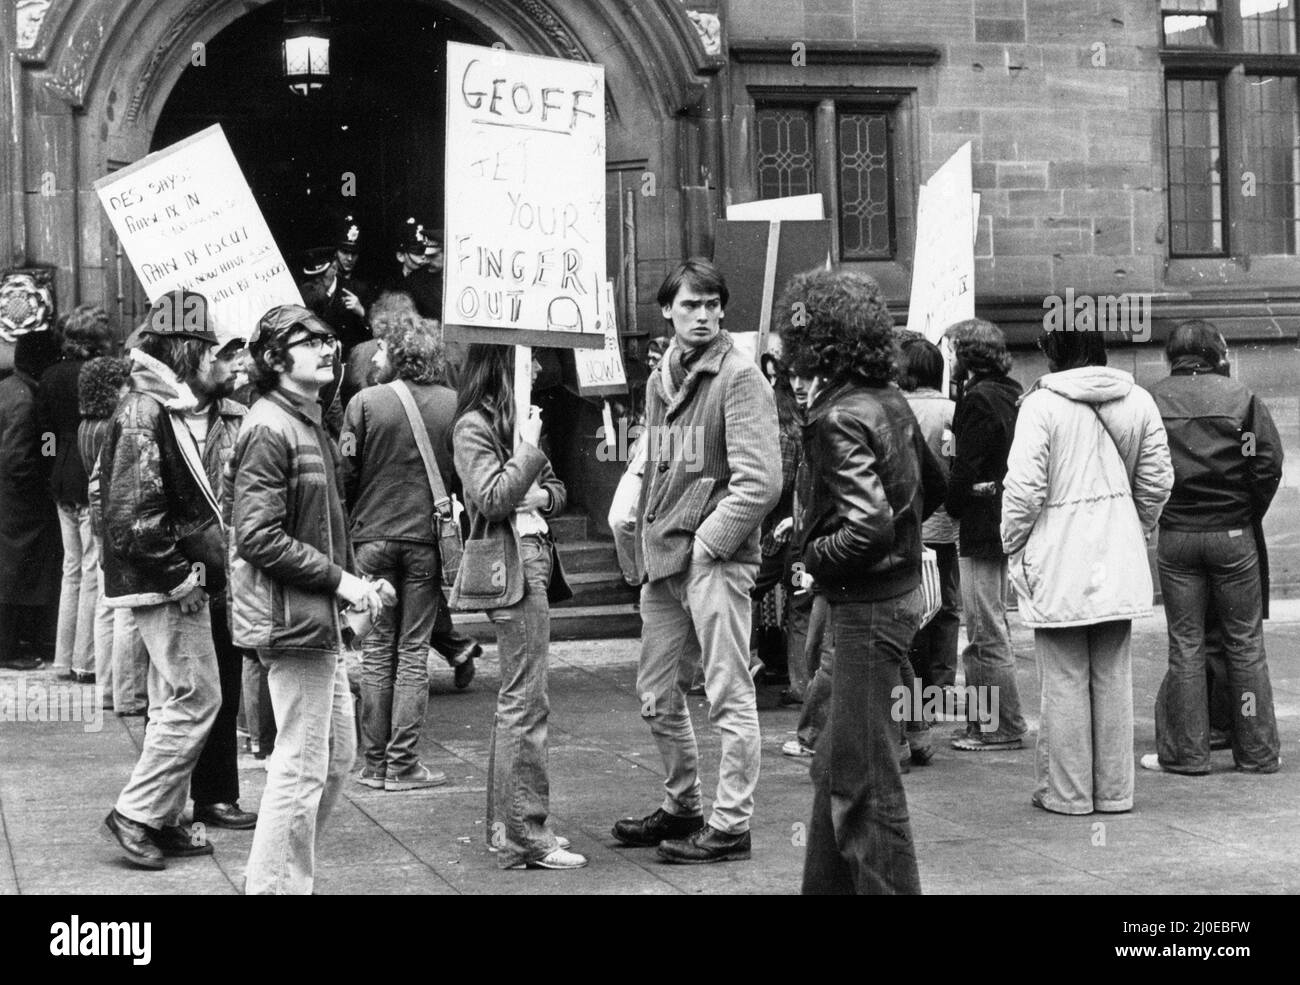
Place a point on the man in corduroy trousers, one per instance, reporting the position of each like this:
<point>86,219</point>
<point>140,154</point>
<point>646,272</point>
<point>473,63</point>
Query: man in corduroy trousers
<point>709,481</point>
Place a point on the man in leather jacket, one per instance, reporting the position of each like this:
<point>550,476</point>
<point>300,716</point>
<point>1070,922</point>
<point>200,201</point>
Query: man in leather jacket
<point>1227,459</point>
<point>873,481</point>
<point>162,535</point>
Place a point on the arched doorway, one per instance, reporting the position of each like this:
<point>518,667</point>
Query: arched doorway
<point>123,73</point>
<point>369,144</point>
<point>108,82</point>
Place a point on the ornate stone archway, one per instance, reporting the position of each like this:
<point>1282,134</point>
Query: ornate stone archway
<point>95,75</point>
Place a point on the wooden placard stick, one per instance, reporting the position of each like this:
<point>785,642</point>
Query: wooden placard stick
<point>523,386</point>
<point>769,289</point>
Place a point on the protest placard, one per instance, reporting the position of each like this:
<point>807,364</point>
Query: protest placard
<point>525,206</point>
<point>758,258</point>
<point>600,371</point>
<point>186,218</point>
<point>943,264</point>
<point>784,209</point>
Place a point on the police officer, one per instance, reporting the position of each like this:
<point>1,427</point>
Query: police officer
<point>347,248</point>
<point>326,297</point>
<point>419,251</point>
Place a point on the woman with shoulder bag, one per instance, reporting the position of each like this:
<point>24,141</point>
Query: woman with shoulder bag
<point>510,569</point>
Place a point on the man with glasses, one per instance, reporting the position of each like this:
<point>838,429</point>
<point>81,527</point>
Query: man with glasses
<point>290,572</point>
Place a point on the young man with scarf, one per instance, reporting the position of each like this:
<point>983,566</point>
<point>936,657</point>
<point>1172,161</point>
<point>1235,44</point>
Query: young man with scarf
<point>709,482</point>
<point>163,534</point>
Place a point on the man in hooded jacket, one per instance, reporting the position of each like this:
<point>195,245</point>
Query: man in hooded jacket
<point>163,534</point>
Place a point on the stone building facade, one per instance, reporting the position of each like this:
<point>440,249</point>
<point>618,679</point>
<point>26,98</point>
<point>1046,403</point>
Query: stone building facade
<point>1120,147</point>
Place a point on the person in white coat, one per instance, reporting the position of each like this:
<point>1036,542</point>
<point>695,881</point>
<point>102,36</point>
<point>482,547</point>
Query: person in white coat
<point>1088,473</point>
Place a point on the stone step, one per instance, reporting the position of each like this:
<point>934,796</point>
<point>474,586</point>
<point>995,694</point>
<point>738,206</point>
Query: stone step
<point>599,588</point>
<point>580,556</point>
<point>569,527</point>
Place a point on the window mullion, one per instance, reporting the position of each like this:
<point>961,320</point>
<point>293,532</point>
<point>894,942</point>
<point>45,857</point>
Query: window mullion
<point>1230,26</point>
<point>1234,163</point>
<point>827,168</point>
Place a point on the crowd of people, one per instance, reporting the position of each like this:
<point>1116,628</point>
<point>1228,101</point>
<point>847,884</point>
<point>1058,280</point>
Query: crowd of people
<point>234,515</point>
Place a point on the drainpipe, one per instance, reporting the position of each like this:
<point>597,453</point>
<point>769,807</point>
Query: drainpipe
<point>16,247</point>
<point>77,231</point>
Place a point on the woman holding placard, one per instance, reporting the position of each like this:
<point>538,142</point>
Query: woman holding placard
<point>511,570</point>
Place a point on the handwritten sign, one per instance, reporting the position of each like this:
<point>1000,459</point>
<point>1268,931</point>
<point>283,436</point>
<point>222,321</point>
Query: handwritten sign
<point>525,213</point>
<point>600,371</point>
<point>943,266</point>
<point>187,218</point>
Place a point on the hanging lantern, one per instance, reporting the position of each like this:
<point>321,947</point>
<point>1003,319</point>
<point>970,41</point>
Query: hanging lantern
<point>306,47</point>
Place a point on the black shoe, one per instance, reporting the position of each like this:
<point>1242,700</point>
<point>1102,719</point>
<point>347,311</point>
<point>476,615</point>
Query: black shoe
<point>84,676</point>
<point>464,671</point>
<point>646,832</point>
<point>706,845</point>
<point>134,839</point>
<point>923,757</point>
<point>225,816</point>
<point>22,663</point>
<point>181,841</point>
<point>788,698</point>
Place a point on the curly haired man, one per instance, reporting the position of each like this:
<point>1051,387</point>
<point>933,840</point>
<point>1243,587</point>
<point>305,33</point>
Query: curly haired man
<point>873,480</point>
<point>390,503</point>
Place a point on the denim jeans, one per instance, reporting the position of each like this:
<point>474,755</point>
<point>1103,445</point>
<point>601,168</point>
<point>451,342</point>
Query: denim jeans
<point>1084,757</point>
<point>710,602</point>
<point>988,660</point>
<point>1195,568</point>
<point>184,695</point>
<point>259,717</point>
<point>934,651</point>
<point>74,647</point>
<point>103,634</point>
<point>860,837</point>
<point>304,777</point>
<point>519,789</point>
<point>796,642</point>
<point>395,656</point>
<point>216,774</point>
<point>820,651</point>
<point>130,664</point>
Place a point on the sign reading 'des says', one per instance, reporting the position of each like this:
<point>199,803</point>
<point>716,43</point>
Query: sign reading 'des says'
<point>187,218</point>
<point>525,212</point>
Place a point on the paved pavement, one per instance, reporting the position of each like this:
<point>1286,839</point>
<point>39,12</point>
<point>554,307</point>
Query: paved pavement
<point>974,827</point>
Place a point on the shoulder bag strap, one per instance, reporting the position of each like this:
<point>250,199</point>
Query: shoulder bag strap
<point>1128,469</point>
<point>441,501</point>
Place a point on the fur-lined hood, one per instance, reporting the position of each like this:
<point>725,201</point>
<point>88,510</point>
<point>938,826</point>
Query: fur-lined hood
<point>148,375</point>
